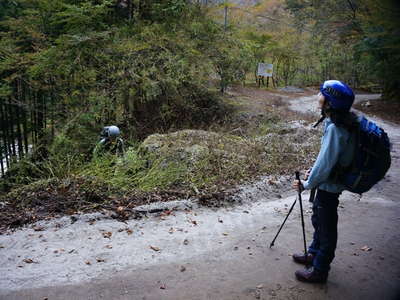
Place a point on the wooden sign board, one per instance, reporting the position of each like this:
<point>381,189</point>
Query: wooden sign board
<point>265,69</point>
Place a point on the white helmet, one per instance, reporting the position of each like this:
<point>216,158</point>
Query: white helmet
<point>111,131</point>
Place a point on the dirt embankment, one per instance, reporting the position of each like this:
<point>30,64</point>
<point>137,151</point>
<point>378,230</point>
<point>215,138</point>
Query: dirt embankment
<point>384,109</point>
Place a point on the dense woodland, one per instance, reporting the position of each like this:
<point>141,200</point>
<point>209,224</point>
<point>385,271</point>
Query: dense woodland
<point>70,67</point>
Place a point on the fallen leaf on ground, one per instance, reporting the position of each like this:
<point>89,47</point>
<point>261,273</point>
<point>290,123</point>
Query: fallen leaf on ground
<point>167,213</point>
<point>88,262</point>
<point>154,248</point>
<point>100,260</point>
<point>225,234</point>
<point>38,228</point>
<point>108,246</point>
<point>366,248</point>
<point>107,235</point>
<point>183,269</point>
<point>129,231</point>
<point>220,220</point>
<point>186,242</point>
<point>29,261</point>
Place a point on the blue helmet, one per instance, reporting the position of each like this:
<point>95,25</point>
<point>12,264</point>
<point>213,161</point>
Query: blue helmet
<point>339,95</point>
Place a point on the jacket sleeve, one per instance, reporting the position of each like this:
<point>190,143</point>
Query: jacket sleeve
<point>99,149</point>
<point>328,156</point>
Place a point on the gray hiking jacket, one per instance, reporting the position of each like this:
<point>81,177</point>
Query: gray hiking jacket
<point>337,146</point>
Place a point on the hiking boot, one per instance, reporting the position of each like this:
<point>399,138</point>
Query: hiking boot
<point>302,259</point>
<point>311,275</point>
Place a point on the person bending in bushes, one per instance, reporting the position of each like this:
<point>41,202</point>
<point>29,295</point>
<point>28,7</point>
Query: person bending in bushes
<point>110,142</point>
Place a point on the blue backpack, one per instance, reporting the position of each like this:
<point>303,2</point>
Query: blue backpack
<point>371,158</point>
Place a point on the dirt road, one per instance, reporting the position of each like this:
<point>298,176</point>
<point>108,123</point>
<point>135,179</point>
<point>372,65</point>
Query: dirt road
<point>201,253</point>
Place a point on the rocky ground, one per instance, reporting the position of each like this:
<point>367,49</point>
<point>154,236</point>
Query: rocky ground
<point>187,251</point>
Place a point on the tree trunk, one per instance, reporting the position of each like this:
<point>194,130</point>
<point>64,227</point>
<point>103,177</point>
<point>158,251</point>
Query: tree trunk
<point>17,112</point>
<point>19,132</point>
<point>11,129</point>
<point>4,130</point>
<point>24,120</point>
<point>1,160</point>
<point>33,118</point>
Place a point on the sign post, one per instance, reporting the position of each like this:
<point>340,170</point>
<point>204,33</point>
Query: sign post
<point>264,70</point>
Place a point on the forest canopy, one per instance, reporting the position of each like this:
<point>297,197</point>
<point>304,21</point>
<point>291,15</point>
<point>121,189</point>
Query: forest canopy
<point>139,64</point>
<point>359,37</point>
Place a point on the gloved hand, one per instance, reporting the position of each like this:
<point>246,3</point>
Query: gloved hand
<point>307,174</point>
<point>298,185</point>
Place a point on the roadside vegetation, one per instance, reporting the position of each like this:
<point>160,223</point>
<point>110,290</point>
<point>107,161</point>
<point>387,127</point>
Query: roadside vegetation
<point>257,141</point>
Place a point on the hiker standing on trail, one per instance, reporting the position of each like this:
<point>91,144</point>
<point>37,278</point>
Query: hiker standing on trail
<point>110,142</point>
<point>337,150</point>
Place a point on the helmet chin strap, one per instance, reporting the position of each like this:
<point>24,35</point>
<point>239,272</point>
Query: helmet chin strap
<point>323,116</point>
<point>324,109</point>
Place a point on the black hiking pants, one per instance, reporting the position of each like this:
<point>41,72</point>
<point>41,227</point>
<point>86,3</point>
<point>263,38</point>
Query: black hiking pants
<point>324,220</point>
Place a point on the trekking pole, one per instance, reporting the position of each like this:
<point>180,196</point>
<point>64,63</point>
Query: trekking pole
<point>302,216</point>
<point>290,210</point>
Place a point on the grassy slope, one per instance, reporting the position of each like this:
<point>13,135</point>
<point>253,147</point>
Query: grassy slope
<point>257,139</point>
